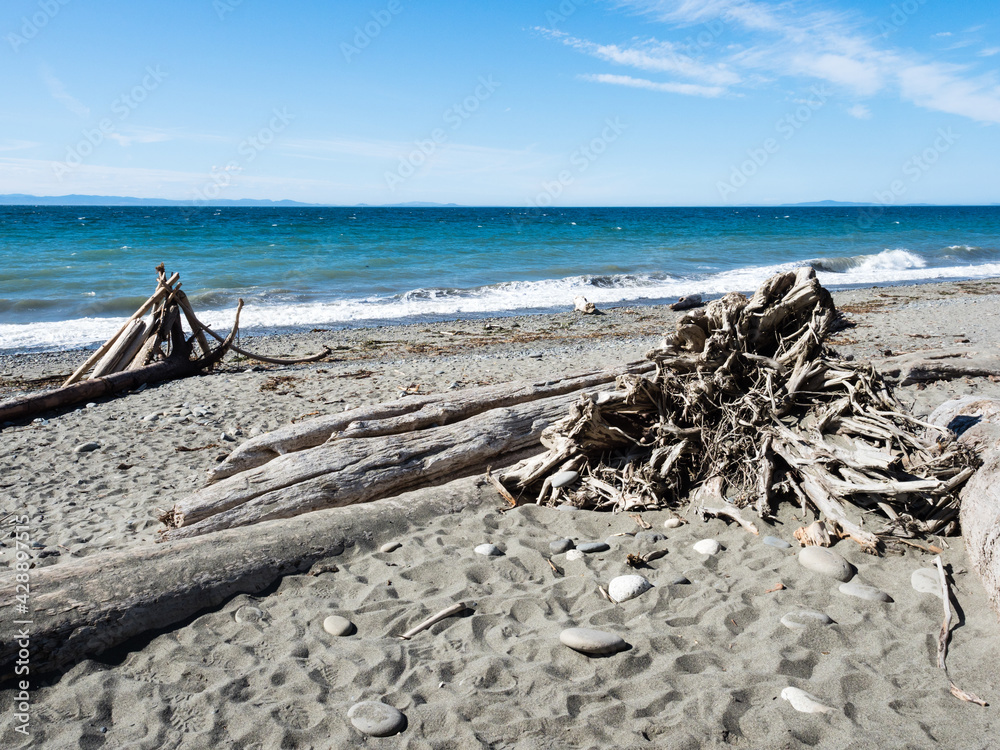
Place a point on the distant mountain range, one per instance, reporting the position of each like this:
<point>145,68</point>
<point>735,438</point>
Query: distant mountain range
<point>20,199</point>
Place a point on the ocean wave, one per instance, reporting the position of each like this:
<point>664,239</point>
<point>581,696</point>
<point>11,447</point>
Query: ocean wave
<point>899,259</point>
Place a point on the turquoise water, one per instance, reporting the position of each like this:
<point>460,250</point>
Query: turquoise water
<point>70,274</point>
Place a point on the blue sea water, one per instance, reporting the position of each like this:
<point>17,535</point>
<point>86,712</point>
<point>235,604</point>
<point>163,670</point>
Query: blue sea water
<point>69,275</point>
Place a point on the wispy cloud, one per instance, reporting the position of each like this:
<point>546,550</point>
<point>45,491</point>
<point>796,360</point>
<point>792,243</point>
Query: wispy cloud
<point>989,52</point>
<point>142,135</point>
<point>670,87</point>
<point>860,111</point>
<point>17,145</point>
<point>61,95</point>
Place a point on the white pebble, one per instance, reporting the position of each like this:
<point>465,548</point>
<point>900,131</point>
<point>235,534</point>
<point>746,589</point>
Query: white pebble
<point>672,523</point>
<point>574,554</point>
<point>802,701</point>
<point>707,547</point>
<point>588,641</point>
<point>337,625</point>
<point>389,547</point>
<point>623,588</point>
<point>488,550</point>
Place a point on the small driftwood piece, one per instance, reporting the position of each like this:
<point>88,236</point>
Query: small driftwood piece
<point>943,636</point>
<point>687,303</point>
<point>813,535</point>
<point>423,411</point>
<point>444,614</point>
<point>747,403</point>
<point>581,305</point>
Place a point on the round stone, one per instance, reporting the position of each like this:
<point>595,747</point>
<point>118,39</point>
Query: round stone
<point>804,702</point>
<point>927,581</point>
<point>249,614</point>
<point>337,625</point>
<point>389,547</point>
<point>574,554</point>
<point>593,547</point>
<point>672,523</point>
<point>588,641</point>
<point>707,547</point>
<point>87,447</point>
<point>563,478</point>
<point>623,588</point>
<point>560,545</point>
<point>804,618</point>
<point>827,562</point>
<point>650,537</point>
<point>776,542</point>
<point>376,719</point>
<point>863,591</point>
<point>488,550</point>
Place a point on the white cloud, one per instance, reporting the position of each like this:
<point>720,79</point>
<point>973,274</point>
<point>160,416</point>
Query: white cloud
<point>989,52</point>
<point>689,89</point>
<point>941,33</point>
<point>860,111</point>
<point>61,95</point>
<point>939,87</point>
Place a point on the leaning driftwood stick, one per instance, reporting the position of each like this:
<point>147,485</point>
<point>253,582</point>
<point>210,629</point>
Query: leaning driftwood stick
<point>160,293</point>
<point>942,651</point>
<point>733,514</point>
<point>445,613</point>
<point>349,471</point>
<point>303,435</point>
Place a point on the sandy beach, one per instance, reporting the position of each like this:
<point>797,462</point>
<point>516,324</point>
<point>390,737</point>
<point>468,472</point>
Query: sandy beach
<point>708,656</point>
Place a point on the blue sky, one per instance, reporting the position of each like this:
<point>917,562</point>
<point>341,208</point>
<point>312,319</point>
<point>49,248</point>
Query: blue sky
<point>566,102</point>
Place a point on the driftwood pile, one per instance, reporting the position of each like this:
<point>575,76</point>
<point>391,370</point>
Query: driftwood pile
<point>748,407</point>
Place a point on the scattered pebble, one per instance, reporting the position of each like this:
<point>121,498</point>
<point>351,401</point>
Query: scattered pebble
<point>560,545</point>
<point>864,591</point>
<point>802,701</point>
<point>393,546</point>
<point>927,581</point>
<point>563,478</point>
<point>91,404</point>
<point>151,417</point>
<point>376,719</point>
<point>337,625</point>
<point>588,641</point>
<point>776,542</point>
<point>488,550</point>
<point>593,547</point>
<point>225,437</point>
<point>680,581</point>
<point>805,618</point>
<point>574,554</point>
<point>87,447</point>
<point>672,523</point>
<point>249,614</point>
<point>623,588</point>
<point>650,537</point>
<point>827,562</point>
<point>707,547</point>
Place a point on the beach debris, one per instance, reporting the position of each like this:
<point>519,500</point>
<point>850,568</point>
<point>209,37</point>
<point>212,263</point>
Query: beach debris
<point>804,702</point>
<point>376,719</point>
<point>776,587</point>
<point>641,522</point>
<point>944,635</point>
<point>864,591</point>
<point>813,535</point>
<point>707,547</point>
<point>687,303</point>
<point>581,305</point>
<point>623,588</point>
<point>805,618</point>
<point>338,626</point>
<point>592,642</point>
<point>712,489</point>
<point>827,562</point>
<point>444,614</point>
<point>555,568</point>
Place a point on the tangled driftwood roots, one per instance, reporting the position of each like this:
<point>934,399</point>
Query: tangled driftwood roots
<point>748,407</point>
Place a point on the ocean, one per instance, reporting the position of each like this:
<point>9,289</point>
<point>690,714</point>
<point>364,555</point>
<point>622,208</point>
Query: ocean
<point>69,275</point>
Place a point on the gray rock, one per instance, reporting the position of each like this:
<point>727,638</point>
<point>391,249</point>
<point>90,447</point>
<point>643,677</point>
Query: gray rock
<point>623,588</point>
<point>563,478</point>
<point>87,447</point>
<point>390,547</point>
<point>376,719</point>
<point>827,562</point>
<point>590,547</point>
<point>560,545</point>
<point>707,547</point>
<point>805,618</point>
<point>776,542</point>
<point>650,537</point>
<point>488,550</point>
<point>588,641</point>
<point>337,625</point>
<point>927,581</point>
<point>225,437</point>
<point>863,591</point>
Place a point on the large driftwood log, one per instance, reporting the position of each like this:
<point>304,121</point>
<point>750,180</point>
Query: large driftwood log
<point>942,364</point>
<point>82,607</point>
<point>357,470</point>
<point>978,423</point>
<point>437,408</point>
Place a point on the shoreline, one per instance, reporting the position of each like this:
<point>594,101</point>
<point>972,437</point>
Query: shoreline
<point>709,658</point>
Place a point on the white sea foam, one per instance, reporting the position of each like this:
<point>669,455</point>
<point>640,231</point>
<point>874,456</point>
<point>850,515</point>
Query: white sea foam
<point>889,266</point>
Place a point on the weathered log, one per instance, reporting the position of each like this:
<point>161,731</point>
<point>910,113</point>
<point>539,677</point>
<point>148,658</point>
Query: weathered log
<point>425,410</point>
<point>942,364</point>
<point>687,303</point>
<point>82,607</point>
<point>349,471</point>
<point>978,422</point>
